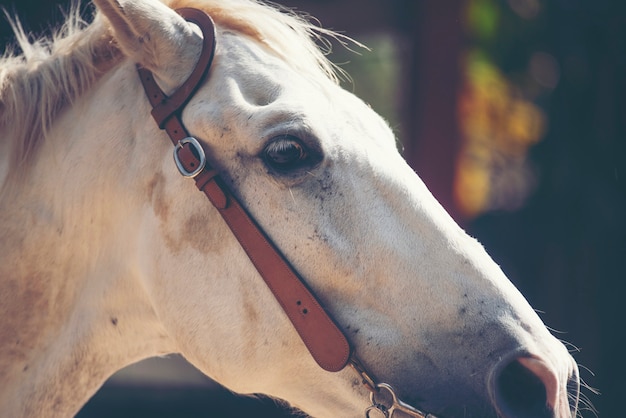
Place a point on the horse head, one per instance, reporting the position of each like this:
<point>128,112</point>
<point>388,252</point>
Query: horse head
<point>421,303</point>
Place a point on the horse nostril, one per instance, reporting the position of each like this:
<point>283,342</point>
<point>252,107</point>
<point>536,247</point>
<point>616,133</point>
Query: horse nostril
<point>526,388</point>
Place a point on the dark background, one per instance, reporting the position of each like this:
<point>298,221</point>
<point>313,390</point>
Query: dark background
<point>564,247</point>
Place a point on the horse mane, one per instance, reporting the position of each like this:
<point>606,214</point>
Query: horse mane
<point>51,73</point>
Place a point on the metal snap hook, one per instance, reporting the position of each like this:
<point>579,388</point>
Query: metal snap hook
<point>387,402</point>
<point>383,398</point>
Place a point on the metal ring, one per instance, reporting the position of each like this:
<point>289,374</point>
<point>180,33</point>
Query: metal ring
<point>380,410</point>
<point>395,404</point>
<point>199,152</point>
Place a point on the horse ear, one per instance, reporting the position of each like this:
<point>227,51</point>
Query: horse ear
<point>154,36</point>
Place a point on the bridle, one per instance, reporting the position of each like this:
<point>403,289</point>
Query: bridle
<point>324,340</point>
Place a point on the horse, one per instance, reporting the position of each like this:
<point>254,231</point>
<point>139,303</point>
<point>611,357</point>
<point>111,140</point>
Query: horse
<point>109,256</point>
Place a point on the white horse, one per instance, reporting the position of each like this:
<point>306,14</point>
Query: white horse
<point>108,256</point>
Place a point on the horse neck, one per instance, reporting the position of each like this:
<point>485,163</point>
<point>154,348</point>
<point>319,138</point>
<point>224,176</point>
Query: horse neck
<point>71,293</point>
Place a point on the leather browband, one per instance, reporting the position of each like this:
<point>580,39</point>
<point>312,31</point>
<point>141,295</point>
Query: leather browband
<point>326,343</point>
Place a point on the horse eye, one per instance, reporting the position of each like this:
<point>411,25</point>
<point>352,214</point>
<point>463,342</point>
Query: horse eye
<point>285,153</point>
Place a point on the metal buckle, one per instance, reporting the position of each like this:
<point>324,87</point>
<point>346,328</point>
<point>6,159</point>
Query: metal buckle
<point>199,151</point>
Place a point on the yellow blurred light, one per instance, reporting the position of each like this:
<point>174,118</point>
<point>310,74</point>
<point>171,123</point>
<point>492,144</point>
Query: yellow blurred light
<point>498,125</point>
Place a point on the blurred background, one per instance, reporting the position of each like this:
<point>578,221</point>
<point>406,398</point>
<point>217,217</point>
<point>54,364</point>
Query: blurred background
<point>514,114</point>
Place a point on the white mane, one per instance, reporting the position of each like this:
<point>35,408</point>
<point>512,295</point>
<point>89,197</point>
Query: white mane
<point>53,72</point>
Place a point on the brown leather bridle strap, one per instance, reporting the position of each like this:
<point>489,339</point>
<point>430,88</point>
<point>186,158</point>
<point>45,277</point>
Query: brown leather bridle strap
<point>326,343</point>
